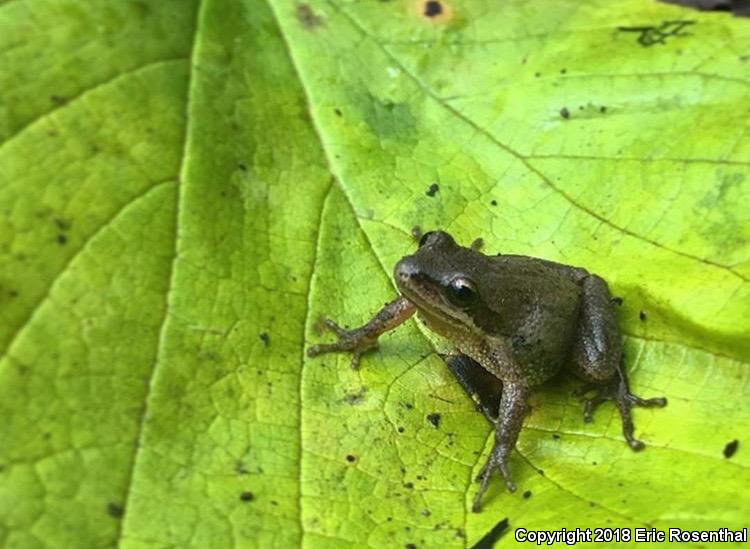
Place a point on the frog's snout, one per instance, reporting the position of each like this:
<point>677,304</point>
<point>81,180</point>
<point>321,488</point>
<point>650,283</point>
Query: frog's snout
<point>405,270</point>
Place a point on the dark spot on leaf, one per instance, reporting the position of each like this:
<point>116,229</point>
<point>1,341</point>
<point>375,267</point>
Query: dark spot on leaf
<point>338,112</point>
<point>477,244</point>
<point>434,418</point>
<point>563,71</point>
<point>593,463</point>
<point>410,546</point>
<point>274,502</point>
<point>493,202</point>
<point>731,448</point>
<point>564,112</point>
<point>527,494</point>
<point>555,436</point>
<point>432,189</point>
<point>537,74</point>
<point>240,468</point>
<point>642,316</point>
<point>617,301</point>
<point>307,17</point>
<point>541,472</point>
<point>350,458</point>
<point>602,109</point>
<point>401,429</point>
<point>432,8</point>
<point>62,239</point>
<point>13,293</point>
<point>242,166</point>
<point>425,513</point>
<point>247,496</point>
<point>115,510</point>
<point>489,539</point>
<point>58,99</point>
<point>264,338</point>
<point>355,398</point>
<point>61,224</point>
<point>408,485</point>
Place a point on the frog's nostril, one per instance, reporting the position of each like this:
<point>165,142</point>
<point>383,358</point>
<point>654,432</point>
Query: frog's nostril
<point>405,269</point>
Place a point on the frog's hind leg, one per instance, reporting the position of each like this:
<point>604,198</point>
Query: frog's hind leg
<point>483,388</point>
<point>597,358</point>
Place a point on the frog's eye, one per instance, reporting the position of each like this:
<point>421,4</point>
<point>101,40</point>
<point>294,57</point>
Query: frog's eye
<point>425,238</point>
<point>462,292</point>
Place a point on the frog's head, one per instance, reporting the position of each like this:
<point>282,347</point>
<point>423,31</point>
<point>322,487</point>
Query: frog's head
<point>447,283</point>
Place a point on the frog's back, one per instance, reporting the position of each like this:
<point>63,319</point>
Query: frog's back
<point>538,302</point>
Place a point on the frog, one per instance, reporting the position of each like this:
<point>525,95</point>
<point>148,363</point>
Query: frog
<point>516,322</point>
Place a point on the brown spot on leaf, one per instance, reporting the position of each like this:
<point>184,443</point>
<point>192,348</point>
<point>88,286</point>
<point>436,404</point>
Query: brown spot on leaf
<point>307,17</point>
<point>433,8</point>
<point>435,11</point>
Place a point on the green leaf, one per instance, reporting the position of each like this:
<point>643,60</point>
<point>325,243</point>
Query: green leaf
<point>186,187</point>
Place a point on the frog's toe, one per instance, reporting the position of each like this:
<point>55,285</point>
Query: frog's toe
<point>656,402</point>
<point>636,444</point>
<point>331,326</point>
<point>590,404</point>
<point>495,462</point>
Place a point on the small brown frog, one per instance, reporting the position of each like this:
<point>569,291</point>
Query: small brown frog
<point>515,321</point>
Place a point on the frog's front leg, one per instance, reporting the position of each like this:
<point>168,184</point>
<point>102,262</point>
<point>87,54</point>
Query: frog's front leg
<point>360,340</point>
<point>513,409</point>
<point>597,357</point>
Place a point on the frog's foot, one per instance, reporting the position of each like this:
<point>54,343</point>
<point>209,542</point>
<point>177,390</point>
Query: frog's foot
<point>619,392</point>
<point>497,461</point>
<point>358,341</point>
